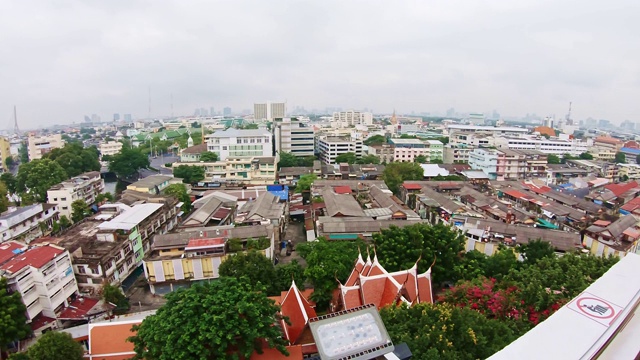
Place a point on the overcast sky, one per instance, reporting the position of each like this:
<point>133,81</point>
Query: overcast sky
<point>60,60</point>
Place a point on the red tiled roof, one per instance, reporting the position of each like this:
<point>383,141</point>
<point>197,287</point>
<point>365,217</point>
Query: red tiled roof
<point>632,233</point>
<point>36,257</point>
<point>295,353</point>
<point>538,190</point>
<point>602,223</point>
<point>608,140</point>
<point>111,338</point>
<point>221,213</point>
<point>7,251</point>
<point>78,309</point>
<point>631,205</point>
<point>516,194</point>
<point>412,186</point>
<point>40,321</point>
<point>352,298</point>
<point>342,189</point>
<point>619,189</point>
<point>298,309</point>
<point>424,289</point>
<point>194,243</point>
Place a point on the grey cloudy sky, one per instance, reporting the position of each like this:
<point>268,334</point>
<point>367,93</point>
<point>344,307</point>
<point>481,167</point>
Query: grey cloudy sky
<point>60,60</point>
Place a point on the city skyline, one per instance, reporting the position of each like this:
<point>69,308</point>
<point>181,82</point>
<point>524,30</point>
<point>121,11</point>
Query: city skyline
<point>74,59</point>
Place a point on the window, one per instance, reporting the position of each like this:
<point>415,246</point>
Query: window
<point>63,199</point>
<point>239,141</point>
<point>259,141</point>
<point>64,208</point>
<point>94,269</point>
<point>266,140</point>
<point>224,148</point>
<point>81,270</point>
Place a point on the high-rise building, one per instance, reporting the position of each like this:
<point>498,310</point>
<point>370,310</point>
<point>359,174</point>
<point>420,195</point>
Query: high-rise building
<point>95,118</point>
<point>82,187</point>
<point>343,119</point>
<point>293,137</point>
<point>269,111</point>
<point>116,117</point>
<point>127,117</point>
<point>212,111</point>
<point>226,111</point>
<point>204,112</point>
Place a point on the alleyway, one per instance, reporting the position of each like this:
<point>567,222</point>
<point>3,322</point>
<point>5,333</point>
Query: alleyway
<point>294,231</point>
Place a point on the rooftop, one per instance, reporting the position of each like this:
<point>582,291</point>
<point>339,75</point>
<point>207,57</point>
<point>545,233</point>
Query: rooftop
<point>239,133</point>
<point>195,149</point>
<point>35,257</point>
<point>130,218</point>
<point>76,181</point>
<point>150,181</point>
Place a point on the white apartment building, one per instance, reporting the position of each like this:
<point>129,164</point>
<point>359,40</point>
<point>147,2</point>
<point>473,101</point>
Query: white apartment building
<point>234,143</point>
<point>257,170</point>
<point>330,147</point>
<point>345,119</point>
<point>40,145</point>
<point>82,187</point>
<point>294,137</point>
<point>492,130</point>
<point>24,223</point>
<point>110,148</point>
<point>43,276</point>
<point>555,146</point>
<point>485,160</point>
<point>269,111</point>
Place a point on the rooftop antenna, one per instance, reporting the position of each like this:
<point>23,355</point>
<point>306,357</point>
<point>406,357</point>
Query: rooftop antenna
<point>16,129</point>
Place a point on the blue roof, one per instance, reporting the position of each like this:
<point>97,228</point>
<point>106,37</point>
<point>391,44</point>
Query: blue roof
<point>281,191</point>
<point>630,150</point>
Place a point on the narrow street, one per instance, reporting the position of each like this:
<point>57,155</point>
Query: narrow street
<point>294,231</point>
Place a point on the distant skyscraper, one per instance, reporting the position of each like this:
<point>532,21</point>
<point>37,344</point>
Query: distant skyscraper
<point>451,112</point>
<point>87,119</point>
<point>116,117</point>
<point>212,111</point>
<point>204,112</point>
<point>127,117</point>
<point>95,118</point>
<point>226,111</point>
<point>196,112</point>
<point>269,111</point>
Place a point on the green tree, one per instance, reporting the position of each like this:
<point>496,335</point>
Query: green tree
<point>536,250</point>
<point>442,331</point>
<point>435,161</point>
<point>56,345</point>
<point>104,197</point>
<point>400,248</point>
<point>443,139</point>
<point>37,176</point>
<point>368,159</point>
<point>349,158</point>
<point>287,160</point>
<point>127,162</point>
<point>24,154</point>
<point>553,159</point>
<point>326,262</point>
<point>306,161</point>
<point>223,319</point>
<point>13,322</point>
<point>586,156</point>
<point>64,222</point>
<point>421,159</point>
<point>9,180</point>
<point>9,162</point>
<point>19,356</point>
<point>620,158</point>
<point>189,174</point>
<point>566,157</point>
<point>396,173</point>
<point>179,191</point>
<point>79,210</point>
<point>208,156</point>
<point>375,140</point>
<point>75,159</point>
<point>112,294</point>
<point>305,182</point>
<point>4,201</point>
<point>407,136</point>
<point>255,267</point>
<point>286,272</point>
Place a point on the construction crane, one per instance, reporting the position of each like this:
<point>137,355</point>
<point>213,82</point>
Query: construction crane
<point>568,118</point>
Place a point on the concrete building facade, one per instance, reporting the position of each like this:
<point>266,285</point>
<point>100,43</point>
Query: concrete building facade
<point>110,148</point>
<point>5,153</point>
<point>28,222</point>
<point>82,187</point>
<point>329,147</point>
<point>234,143</point>
<point>343,119</point>
<point>269,111</point>
<point>294,137</point>
<point>40,145</point>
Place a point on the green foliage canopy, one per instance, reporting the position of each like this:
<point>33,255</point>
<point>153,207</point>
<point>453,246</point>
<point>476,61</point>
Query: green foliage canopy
<point>223,319</point>
<point>189,174</point>
<point>396,173</point>
<point>13,322</point>
<point>128,161</point>
<point>55,345</point>
<point>37,176</point>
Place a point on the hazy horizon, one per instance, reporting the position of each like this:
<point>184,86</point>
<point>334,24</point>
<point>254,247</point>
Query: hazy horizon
<point>66,59</point>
